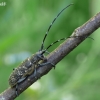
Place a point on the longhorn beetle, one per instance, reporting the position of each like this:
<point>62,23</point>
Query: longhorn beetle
<point>29,65</point>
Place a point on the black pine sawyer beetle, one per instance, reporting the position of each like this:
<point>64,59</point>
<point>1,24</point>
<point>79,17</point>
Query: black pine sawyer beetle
<point>28,66</point>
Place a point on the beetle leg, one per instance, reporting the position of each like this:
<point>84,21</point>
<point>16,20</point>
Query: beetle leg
<point>22,79</point>
<point>35,72</point>
<point>16,90</point>
<point>43,64</point>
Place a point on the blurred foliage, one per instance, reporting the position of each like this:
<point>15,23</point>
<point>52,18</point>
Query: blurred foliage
<point>22,27</point>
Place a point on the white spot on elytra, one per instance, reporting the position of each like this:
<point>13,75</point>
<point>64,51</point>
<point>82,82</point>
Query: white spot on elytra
<point>2,98</point>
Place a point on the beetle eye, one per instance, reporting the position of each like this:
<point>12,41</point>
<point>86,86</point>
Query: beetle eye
<point>28,64</point>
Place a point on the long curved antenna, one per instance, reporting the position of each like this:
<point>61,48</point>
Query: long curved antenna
<point>53,44</point>
<point>51,25</point>
<point>61,40</point>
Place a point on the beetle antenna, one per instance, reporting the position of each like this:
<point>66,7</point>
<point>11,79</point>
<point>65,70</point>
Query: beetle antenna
<point>53,44</point>
<point>42,46</point>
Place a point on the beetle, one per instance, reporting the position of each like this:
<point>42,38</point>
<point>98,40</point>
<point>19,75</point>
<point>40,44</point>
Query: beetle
<point>28,66</point>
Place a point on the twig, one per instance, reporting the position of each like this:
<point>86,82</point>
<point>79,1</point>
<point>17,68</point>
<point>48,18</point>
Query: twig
<point>57,55</point>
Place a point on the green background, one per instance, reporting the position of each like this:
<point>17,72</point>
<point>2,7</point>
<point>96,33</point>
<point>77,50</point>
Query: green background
<point>23,24</point>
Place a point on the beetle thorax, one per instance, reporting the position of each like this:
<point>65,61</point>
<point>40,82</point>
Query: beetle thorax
<point>37,57</point>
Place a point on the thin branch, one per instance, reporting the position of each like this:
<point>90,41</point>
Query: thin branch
<point>79,35</point>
